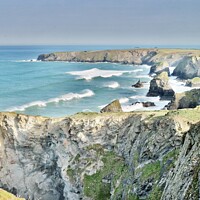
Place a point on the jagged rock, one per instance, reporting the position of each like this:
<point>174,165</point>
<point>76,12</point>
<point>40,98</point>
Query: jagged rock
<point>114,106</point>
<point>145,104</point>
<point>4,195</point>
<point>195,82</point>
<point>188,99</point>
<point>159,86</point>
<point>139,84</point>
<point>148,104</point>
<point>188,67</point>
<point>92,156</point>
<point>160,67</point>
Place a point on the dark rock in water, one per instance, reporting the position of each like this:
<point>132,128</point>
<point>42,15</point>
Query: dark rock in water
<point>148,104</point>
<point>188,67</point>
<point>145,104</point>
<point>114,106</point>
<point>160,67</point>
<point>188,99</point>
<point>139,84</point>
<point>159,86</point>
<point>195,82</point>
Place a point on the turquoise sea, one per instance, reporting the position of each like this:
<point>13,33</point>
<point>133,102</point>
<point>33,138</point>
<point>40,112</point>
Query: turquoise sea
<point>62,88</point>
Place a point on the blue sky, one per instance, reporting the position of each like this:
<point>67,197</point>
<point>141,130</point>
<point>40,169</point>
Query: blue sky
<point>100,22</point>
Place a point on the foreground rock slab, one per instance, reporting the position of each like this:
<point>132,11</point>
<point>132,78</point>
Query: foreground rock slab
<point>114,106</point>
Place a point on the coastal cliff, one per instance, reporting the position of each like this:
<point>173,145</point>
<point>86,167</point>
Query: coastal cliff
<point>140,155</point>
<point>186,61</point>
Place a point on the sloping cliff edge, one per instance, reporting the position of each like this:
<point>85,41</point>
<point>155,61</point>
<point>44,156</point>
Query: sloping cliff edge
<point>139,155</point>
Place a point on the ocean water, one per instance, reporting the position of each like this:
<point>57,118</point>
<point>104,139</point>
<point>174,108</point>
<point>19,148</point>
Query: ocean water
<point>61,88</point>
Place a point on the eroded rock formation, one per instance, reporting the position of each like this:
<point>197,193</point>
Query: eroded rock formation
<point>159,86</point>
<point>152,155</point>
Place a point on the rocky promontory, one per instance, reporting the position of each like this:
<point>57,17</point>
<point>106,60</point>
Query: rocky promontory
<point>159,86</point>
<point>186,61</point>
<point>140,155</point>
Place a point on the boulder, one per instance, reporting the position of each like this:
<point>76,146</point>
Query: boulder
<point>188,99</point>
<point>139,84</point>
<point>160,67</point>
<point>159,86</point>
<point>195,82</point>
<point>188,67</point>
<point>114,106</point>
<point>148,104</point>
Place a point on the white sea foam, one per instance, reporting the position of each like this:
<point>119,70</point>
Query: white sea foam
<point>94,72</point>
<point>143,76</point>
<point>145,98</point>
<point>177,85</point>
<point>31,60</point>
<point>171,69</point>
<point>102,106</point>
<point>66,97</point>
<point>112,84</point>
<point>139,106</point>
<point>129,108</point>
<point>124,100</point>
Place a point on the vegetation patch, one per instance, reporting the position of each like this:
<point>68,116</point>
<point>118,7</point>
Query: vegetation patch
<point>155,194</point>
<point>98,186</point>
<point>151,170</point>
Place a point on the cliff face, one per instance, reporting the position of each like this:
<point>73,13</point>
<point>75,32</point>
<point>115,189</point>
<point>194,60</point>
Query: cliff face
<point>142,155</point>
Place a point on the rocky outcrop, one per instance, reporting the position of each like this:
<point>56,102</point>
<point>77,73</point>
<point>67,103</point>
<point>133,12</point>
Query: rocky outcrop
<point>195,82</point>
<point>160,67</point>
<point>188,67</point>
<point>144,155</point>
<point>188,99</point>
<point>159,86</point>
<point>139,84</point>
<point>114,106</point>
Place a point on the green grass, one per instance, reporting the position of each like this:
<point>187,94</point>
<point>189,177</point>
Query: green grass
<point>151,170</point>
<point>114,167</point>
<point>155,194</point>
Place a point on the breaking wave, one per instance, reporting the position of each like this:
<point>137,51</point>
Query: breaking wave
<point>65,97</point>
<point>94,72</point>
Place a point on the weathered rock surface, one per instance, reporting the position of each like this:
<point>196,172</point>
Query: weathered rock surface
<point>114,106</point>
<point>159,86</point>
<point>188,67</point>
<point>160,67</point>
<point>144,155</point>
<point>195,82</point>
<point>188,99</point>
